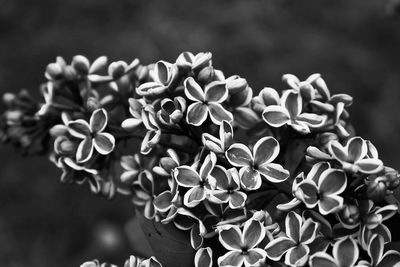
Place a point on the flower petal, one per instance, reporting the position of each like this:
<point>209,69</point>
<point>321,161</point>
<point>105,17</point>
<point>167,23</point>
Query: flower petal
<point>193,90</point>
<point>131,123</point>
<point>196,114</point>
<point>311,119</point>
<point>185,176</point>
<point>277,247</point>
<point>254,257</point>
<point>239,155</point>
<point>329,204</point>
<point>237,200</point>
<point>332,181</point>
<point>308,231</point>
<point>316,171</point>
<point>207,166</point>
<point>357,149</point>
<point>231,238</point>
<point>203,257</point>
<point>98,120</point>
<point>375,249</point>
<point>85,150</point>
<point>265,150</point>
<point>216,92</point>
<point>307,192</point>
<point>104,143</point>
<point>250,179</point>
<point>253,233</point>
<point>79,128</point>
<point>293,103</point>
<point>337,151</point>
<point>345,251</point>
<point>293,223</point>
<point>194,196</point>
<point>163,201</point>
<point>297,256</point>
<point>231,258</point>
<point>322,259</point>
<point>274,172</point>
<point>218,113</point>
<point>276,116</point>
<point>221,176</point>
<point>369,166</point>
<point>391,258</point>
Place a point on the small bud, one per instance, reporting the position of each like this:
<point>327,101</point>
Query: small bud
<point>81,64</point>
<point>376,189</point>
<point>117,69</point>
<point>54,71</point>
<point>8,99</point>
<point>206,75</point>
<point>236,85</point>
<point>350,214</point>
<point>92,104</point>
<point>58,130</point>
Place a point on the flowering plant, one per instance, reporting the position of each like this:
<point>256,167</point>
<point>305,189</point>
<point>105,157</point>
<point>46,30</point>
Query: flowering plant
<point>274,179</point>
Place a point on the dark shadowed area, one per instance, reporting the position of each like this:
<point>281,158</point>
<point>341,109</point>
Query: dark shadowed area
<point>355,45</point>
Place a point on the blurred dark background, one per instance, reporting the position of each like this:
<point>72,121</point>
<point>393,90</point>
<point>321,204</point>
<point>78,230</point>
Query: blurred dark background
<point>355,45</point>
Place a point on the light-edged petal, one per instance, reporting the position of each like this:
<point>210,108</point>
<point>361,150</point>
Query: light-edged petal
<point>163,201</point>
<point>375,249</point>
<point>332,181</point>
<point>250,179</point>
<point>254,257</point>
<point>293,224</point>
<point>269,96</point>
<point>218,113</point>
<point>79,128</point>
<point>337,150</point>
<point>221,176</point>
<point>194,196</point>
<point>239,155</point>
<point>390,258</point>
<point>279,246</point>
<point>345,251</point>
<point>237,200</point>
<point>203,257</point>
<point>369,166</point>
<point>273,172</point>
<point>253,233</point>
<point>197,114</point>
<point>289,205</point>
<point>293,103</point>
<point>297,256</point>
<point>185,176</point>
<point>307,192</point>
<point>85,150</point>
<point>193,90</point>
<point>330,204</point>
<point>300,126</point>
<point>216,92</point>
<point>231,258</point>
<point>98,120</point>
<point>357,149</point>
<point>308,231</point>
<point>311,119</point>
<point>231,238</point>
<point>322,259</point>
<point>207,166</point>
<point>265,150</point>
<point>276,116</point>
<point>104,143</point>
<point>316,171</point>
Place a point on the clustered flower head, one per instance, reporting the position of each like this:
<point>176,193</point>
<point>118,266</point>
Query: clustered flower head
<point>277,178</point>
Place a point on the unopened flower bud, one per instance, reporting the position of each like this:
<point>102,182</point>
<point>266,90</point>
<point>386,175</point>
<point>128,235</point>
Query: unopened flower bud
<point>236,85</point>
<point>350,214</point>
<point>64,146</point>
<point>206,74</point>
<point>54,71</point>
<point>8,99</point>
<point>92,104</point>
<point>376,189</point>
<point>81,64</point>
<point>117,69</point>
<point>58,130</point>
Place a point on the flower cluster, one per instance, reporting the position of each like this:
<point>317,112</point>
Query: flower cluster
<point>251,180</point>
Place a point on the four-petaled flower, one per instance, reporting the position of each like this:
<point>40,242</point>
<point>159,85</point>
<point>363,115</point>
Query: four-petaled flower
<point>92,135</point>
<point>322,187</point>
<point>227,187</point>
<point>356,156</point>
<point>299,234</point>
<point>345,254</point>
<point>143,193</point>
<point>200,183</point>
<point>378,258</point>
<point>290,113</point>
<point>242,244</point>
<point>257,163</point>
<point>207,102</point>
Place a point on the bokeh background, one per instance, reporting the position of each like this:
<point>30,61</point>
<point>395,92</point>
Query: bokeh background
<point>355,45</point>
